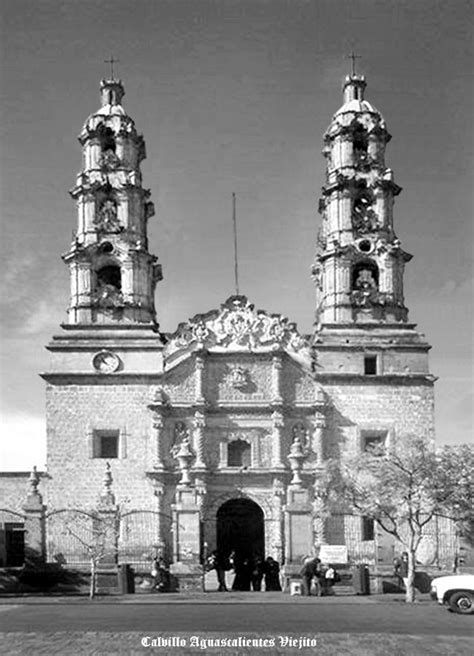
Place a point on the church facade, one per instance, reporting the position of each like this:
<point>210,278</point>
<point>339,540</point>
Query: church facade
<point>216,436</point>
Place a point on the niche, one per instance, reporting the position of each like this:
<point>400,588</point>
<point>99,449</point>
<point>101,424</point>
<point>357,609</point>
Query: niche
<point>360,143</point>
<point>365,276</point>
<point>109,277</point>
<point>238,454</point>
<point>107,139</point>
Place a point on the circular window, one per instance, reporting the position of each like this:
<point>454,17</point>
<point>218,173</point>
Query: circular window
<point>106,247</point>
<point>365,246</point>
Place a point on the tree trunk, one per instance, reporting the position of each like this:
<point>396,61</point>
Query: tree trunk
<point>92,586</point>
<point>410,580</point>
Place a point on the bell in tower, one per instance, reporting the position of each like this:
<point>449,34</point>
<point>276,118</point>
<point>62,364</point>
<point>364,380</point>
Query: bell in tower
<point>112,274</point>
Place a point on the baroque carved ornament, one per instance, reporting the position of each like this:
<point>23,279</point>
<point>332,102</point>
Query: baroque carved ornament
<point>238,326</point>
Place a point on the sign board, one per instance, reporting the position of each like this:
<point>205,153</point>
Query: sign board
<point>333,554</point>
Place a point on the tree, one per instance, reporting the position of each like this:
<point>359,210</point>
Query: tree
<point>97,534</point>
<point>403,486</point>
<point>454,489</point>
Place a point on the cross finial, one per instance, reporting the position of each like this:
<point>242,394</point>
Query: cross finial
<point>111,61</point>
<point>353,57</point>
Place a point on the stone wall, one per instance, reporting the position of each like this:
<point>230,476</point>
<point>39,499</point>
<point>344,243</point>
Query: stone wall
<point>13,490</point>
<point>398,408</point>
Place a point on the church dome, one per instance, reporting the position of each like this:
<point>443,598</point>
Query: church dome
<point>355,107</point>
<point>111,109</point>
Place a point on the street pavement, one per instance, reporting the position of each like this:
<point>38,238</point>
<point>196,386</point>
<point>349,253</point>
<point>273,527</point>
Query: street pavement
<point>382,625</point>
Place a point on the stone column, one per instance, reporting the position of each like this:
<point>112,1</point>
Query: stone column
<point>317,443</point>
<point>127,280</point>
<point>157,408</point>
<point>298,521</point>
<point>276,379</point>
<point>186,567</point>
<point>278,494</point>
<point>199,424</point>
<point>83,281</point>
<point>298,525</point>
<point>35,533</point>
<point>199,380</point>
<point>319,512</point>
<point>107,521</point>
<point>277,436</point>
<point>158,425</point>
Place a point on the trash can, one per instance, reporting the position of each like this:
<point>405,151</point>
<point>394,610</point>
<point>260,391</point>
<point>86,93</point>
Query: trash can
<point>126,579</point>
<point>361,580</point>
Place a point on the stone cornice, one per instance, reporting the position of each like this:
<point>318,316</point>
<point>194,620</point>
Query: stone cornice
<point>379,379</point>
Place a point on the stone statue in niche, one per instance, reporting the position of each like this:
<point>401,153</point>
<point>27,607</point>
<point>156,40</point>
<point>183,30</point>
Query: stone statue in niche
<point>181,434</point>
<point>106,218</point>
<point>364,219</point>
<point>365,280</point>
<point>107,295</point>
<point>109,161</point>
<point>300,434</point>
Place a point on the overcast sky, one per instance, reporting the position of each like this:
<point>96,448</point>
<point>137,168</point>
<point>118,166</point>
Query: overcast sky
<point>233,96</point>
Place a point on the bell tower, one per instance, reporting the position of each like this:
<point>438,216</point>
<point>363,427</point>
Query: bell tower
<point>112,274</point>
<point>111,329</point>
<point>359,264</point>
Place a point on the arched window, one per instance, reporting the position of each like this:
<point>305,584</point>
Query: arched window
<point>238,454</point>
<point>109,276</point>
<point>365,276</point>
<point>360,143</point>
<point>107,139</point>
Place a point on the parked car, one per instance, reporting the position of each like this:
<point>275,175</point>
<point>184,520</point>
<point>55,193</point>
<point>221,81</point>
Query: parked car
<point>456,591</point>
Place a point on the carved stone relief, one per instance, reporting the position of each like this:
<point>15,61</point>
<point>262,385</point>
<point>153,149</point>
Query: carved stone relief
<point>238,326</point>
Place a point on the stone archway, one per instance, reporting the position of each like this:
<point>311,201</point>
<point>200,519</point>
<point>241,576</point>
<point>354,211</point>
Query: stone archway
<point>240,528</point>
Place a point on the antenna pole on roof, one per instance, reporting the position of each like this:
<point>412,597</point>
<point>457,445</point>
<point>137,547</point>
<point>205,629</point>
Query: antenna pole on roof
<point>236,261</point>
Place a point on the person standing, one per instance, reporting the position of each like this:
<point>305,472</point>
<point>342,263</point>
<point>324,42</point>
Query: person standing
<point>220,563</point>
<point>401,568</point>
<point>272,575</point>
<point>257,573</point>
<point>243,573</point>
<point>328,578</point>
<point>311,570</point>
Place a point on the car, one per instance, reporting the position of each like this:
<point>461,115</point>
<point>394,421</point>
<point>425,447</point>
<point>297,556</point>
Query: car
<point>456,591</point>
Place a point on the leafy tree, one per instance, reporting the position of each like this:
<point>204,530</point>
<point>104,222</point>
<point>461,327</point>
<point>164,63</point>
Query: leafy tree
<point>454,488</point>
<point>405,484</point>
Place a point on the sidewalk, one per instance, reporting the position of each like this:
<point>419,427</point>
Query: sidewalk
<point>207,598</point>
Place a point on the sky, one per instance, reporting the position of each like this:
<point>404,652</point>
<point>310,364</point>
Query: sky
<point>233,96</point>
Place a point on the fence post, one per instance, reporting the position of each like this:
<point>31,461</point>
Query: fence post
<point>35,533</point>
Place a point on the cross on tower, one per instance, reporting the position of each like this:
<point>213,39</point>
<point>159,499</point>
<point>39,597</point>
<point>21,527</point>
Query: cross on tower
<point>111,61</point>
<point>353,57</point>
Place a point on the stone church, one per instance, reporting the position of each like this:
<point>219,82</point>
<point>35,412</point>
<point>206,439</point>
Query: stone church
<point>215,436</point>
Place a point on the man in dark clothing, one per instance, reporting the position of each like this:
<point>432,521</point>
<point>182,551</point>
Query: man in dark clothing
<point>220,563</point>
<point>243,573</point>
<point>401,568</point>
<point>257,573</point>
<point>310,570</point>
<point>272,575</point>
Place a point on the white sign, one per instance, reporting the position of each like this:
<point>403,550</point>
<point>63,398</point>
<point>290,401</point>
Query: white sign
<point>334,554</point>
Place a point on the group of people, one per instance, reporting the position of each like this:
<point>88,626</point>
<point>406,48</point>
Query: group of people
<point>249,571</point>
<point>319,575</point>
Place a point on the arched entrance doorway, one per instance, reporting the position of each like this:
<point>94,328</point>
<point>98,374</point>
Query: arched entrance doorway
<point>240,528</point>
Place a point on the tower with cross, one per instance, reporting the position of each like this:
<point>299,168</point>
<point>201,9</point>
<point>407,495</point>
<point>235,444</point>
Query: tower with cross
<point>113,275</point>
<point>360,263</point>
